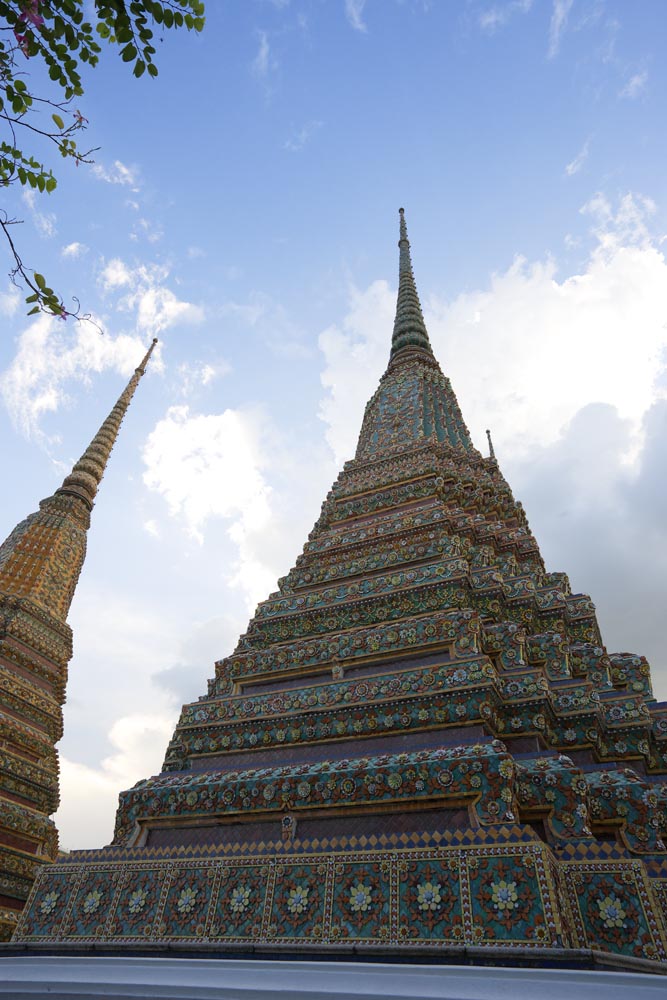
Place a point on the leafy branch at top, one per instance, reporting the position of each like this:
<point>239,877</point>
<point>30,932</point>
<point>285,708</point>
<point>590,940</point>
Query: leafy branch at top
<point>56,33</point>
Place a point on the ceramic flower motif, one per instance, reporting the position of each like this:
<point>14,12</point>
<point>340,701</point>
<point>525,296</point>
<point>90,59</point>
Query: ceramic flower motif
<point>504,895</point>
<point>360,898</point>
<point>92,901</point>
<point>239,899</point>
<point>428,896</point>
<point>186,900</point>
<point>137,900</point>
<point>297,901</point>
<point>49,903</point>
<point>611,911</point>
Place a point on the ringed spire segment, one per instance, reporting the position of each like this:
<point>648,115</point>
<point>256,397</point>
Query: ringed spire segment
<point>86,475</point>
<point>409,327</point>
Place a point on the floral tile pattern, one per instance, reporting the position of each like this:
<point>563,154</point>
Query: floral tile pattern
<point>297,905</point>
<point>613,909</point>
<point>429,894</point>
<point>361,901</point>
<point>241,902</point>
<point>186,906</point>
<point>138,902</point>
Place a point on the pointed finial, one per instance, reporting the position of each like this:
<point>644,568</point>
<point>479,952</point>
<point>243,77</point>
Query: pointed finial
<point>492,453</point>
<point>409,326</point>
<point>86,475</point>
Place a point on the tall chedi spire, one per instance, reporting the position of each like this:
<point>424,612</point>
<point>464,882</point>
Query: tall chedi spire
<point>409,326</point>
<point>40,564</point>
<point>420,745</point>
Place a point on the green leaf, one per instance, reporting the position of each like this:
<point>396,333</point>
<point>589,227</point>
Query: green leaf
<point>139,68</point>
<point>35,309</point>
<point>40,281</point>
<point>59,122</point>
<point>128,53</point>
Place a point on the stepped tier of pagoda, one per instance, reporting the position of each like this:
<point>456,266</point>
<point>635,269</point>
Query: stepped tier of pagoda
<point>40,563</point>
<point>420,742</point>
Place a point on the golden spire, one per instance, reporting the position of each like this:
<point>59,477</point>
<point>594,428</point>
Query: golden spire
<point>86,475</point>
<point>42,558</point>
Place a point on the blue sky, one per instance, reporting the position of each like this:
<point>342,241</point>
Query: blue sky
<point>243,208</point>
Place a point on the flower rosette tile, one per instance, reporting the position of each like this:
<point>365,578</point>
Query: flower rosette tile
<point>297,909</point>
<point>187,903</point>
<point>506,900</point>
<point>43,917</point>
<point>360,901</point>
<point>240,903</point>
<point>137,906</point>
<point>612,914</point>
<point>91,904</point>
<point>430,900</point>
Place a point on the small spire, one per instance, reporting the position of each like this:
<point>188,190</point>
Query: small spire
<point>409,326</point>
<point>86,475</point>
<point>492,453</point>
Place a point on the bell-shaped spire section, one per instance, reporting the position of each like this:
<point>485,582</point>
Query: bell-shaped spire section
<point>86,475</point>
<point>409,326</point>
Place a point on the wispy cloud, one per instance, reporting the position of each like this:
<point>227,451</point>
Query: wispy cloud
<point>497,16</point>
<point>559,16</point>
<point>48,361</point>
<point>44,222</point>
<point>635,86</point>
<point>9,301</point>
<point>262,62</point>
<point>74,250</point>
<point>354,11</point>
<point>575,165</point>
<point>145,292</point>
<point>298,140</point>
<point>117,173</point>
<point>146,230</point>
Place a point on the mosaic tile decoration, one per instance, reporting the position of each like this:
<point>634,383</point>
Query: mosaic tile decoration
<point>470,895</point>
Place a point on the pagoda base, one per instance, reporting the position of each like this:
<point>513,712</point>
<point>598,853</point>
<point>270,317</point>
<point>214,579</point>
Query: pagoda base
<point>485,888</point>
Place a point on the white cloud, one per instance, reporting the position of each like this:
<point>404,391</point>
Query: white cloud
<point>9,301</point>
<point>48,360</point>
<point>297,141</point>
<point>196,374</point>
<point>118,173</point>
<point>208,465</point>
<point>44,222</point>
<point>577,163</point>
<point>262,62</point>
<point>354,11</point>
<point>90,794</point>
<point>635,86</point>
<point>115,274</point>
<point>559,16</point>
<point>74,250</point>
<point>147,230</point>
<point>145,292</point>
<point>497,17</point>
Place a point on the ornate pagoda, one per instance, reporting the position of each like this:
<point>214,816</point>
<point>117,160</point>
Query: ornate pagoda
<point>420,746</point>
<point>40,563</point>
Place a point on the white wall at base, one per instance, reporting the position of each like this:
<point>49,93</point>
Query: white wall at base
<point>64,977</point>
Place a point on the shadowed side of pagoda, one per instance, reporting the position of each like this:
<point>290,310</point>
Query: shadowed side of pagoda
<point>419,741</point>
